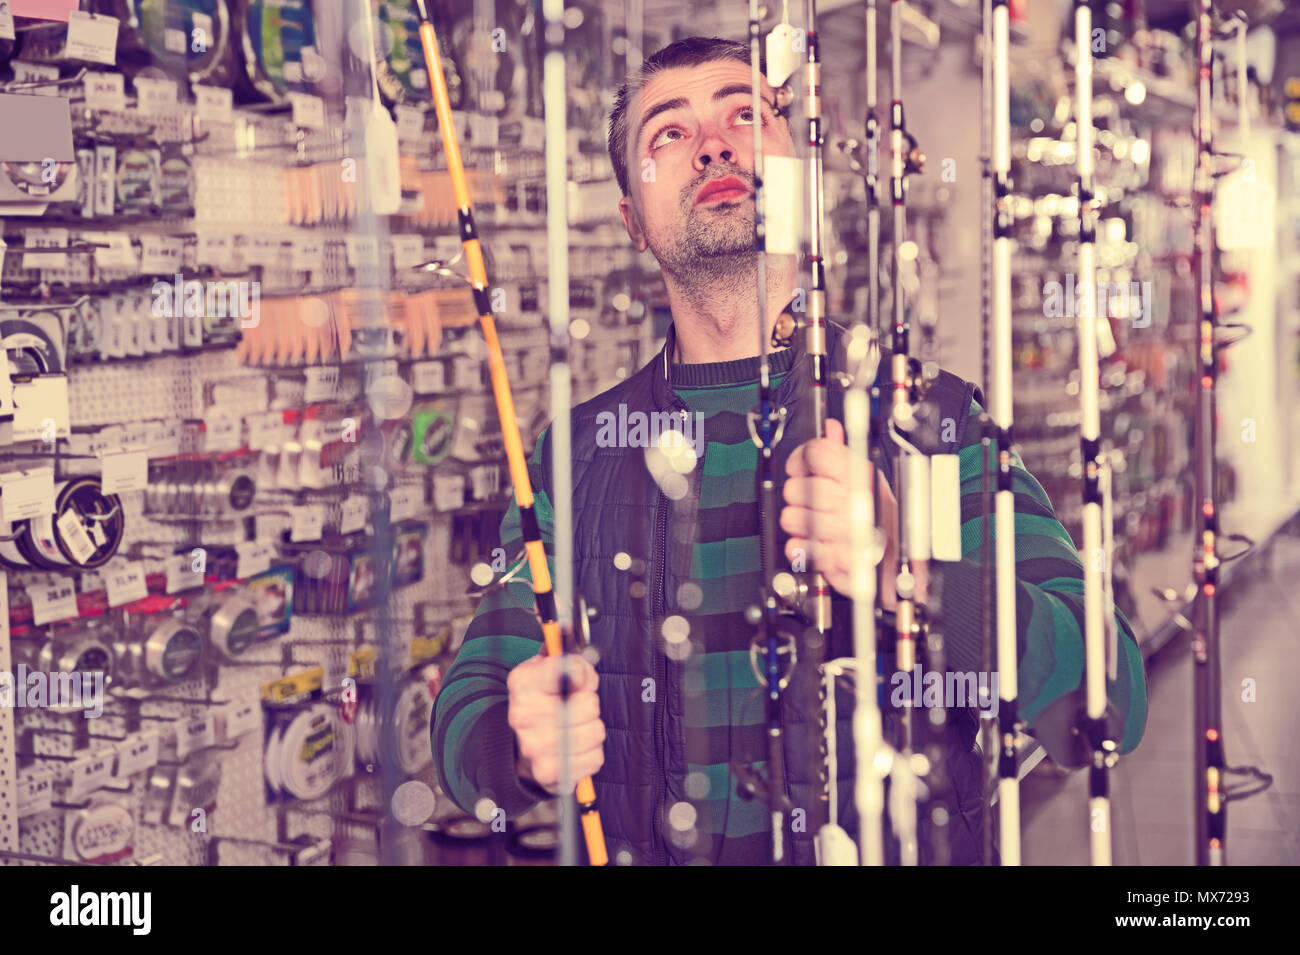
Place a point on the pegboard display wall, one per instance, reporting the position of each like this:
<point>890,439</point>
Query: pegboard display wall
<point>248,452</point>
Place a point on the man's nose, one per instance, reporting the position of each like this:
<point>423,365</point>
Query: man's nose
<point>714,148</point>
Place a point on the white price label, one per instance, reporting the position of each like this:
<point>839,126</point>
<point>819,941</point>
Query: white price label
<point>155,95</point>
<point>181,574</point>
<point>321,382</point>
<point>428,377</point>
<point>41,409</point>
<point>408,251</point>
<point>307,255</point>
<point>89,773</point>
<point>119,254</point>
<point>254,558</point>
<point>214,249</point>
<point>45,239</point>
<point>125,471</point>
<point>308,110</point>
<point>353,517</point>
<point>27,493</point>
<point>6,23</point>
<point>161,255</point>
<point>221,432</point>
<point>105,91</point>
<point>240,718</point>
<point>92,37</point>
<point>174,40</point>
<point>362,251</point>
<point>35,791</point>
<point>410,124</point>
<point>75,537</point>
<point>36,73</point>
<point>404,502</point>
<point>308,522</point>
<point>265,429</point>
<point>195,734</point>
<point>125,583</point>
<point>136,754</point>
<point>164,439</point>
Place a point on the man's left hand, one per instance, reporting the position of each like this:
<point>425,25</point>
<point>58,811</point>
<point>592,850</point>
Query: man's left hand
<point>817,516</point>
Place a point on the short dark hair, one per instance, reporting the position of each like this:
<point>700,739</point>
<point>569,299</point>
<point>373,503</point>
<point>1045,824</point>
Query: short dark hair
<point>691,51</point>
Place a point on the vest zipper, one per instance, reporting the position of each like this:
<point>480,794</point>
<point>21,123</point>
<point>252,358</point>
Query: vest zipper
<point>661,683</point>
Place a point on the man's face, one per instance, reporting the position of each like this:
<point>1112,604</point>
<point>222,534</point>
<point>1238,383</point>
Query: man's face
<point>691,162</point>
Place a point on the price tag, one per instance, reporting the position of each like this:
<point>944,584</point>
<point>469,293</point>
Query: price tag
<point>308,110</point>
<point>265,429</point>
<point>408,251</point>
<point>124,471</point>
<point>404,502</point>
<point>362,251</point>
<point>6,23</point>
<point>45,239</point>
<point>105,91</point>
<point>136,754</point>
<point>410,124</point>
<point>321,382</point>
<point>119,254</point>
<point>308,522</point>
<point>214,249</point>
<point>155,96</point>
<point>27,493</point>
<point>307,255</point>
<point>353,516</point>
<point>221,432</point>
<point>36,73</point>
<point>174,40</point>
<point>41,409</point>
<point>35,791</point>
<point>92,37</point>
<point>125,583</point>
<point>161,255</point>
<point>240,718</point>
<point>428,377</point>
<point>75,536</point>
<point>164,439</point>
<point>89,773</point>
<point>195,734</point>
<point>254,558</point>
<point>181,575</point>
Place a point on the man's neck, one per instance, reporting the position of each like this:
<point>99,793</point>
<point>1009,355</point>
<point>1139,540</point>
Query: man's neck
<point>715,320</point>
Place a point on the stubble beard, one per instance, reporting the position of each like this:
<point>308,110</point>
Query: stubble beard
<point>713,251</point>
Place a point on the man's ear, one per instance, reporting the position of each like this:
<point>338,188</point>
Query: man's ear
<point>633,225</point>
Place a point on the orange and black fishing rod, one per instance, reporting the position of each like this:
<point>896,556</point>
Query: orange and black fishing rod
<point>542,592</point>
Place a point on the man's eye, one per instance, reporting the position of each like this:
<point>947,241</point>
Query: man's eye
<point>745,117</point>
<point>670,135</point>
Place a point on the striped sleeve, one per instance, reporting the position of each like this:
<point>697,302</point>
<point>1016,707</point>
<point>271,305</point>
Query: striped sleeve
<point>1049,616</point>
<point>473,745</point>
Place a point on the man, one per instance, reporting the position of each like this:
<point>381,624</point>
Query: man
<point>673,705</point>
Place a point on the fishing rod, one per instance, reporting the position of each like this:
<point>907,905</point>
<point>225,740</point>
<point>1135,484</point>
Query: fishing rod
<point>1211,816</point>
<point>1096,484</point>
<point>1004,505</point>
<point>988,735</point>
<point>554,107</point>
<point>911,466</point>
<point>542,592</point>
<point>766,425</point>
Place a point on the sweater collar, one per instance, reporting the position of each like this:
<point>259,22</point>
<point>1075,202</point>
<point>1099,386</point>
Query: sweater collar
<point>669,375</point>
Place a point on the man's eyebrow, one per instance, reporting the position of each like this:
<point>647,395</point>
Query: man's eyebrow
<point>680,101</point>
<point>653,111</point>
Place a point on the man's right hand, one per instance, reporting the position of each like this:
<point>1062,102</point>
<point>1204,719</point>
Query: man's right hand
<point>534,715</point>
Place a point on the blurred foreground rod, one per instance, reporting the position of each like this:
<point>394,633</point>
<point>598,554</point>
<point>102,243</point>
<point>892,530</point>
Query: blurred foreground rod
<point>1001,400</point>
<point>542,592</point>
<point>1098,609</point>
<point>1211,816</point>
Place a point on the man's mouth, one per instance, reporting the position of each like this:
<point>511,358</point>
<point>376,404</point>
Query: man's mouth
<point>726,189</point>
